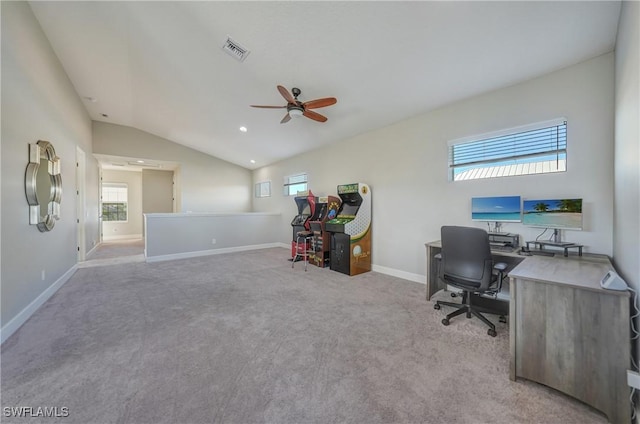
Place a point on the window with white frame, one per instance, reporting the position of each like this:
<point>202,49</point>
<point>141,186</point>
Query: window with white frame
<point>114,202</point>
<point>295,183</point>
<point>533,149</point>
<point>263,189</point>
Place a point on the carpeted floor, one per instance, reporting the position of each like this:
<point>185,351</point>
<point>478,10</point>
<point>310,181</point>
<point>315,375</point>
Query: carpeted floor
<point>243,338</point>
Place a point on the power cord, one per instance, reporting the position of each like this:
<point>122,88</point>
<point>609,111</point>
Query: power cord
<point>541,234</point>
<point>636,334</point>
<point>633,406</point>
<point>634,337</point>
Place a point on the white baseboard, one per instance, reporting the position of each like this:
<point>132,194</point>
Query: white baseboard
<point>16,322</point>
<point>92,250</point>
<point>122,237</point>
<point>418,278</point>
<point>199,253</point>
<point>400,274</point>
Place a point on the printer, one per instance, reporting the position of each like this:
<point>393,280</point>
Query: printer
<point>504,241</point>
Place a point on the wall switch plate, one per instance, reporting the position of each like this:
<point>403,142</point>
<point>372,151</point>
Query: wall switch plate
<point>633,379</point>
<point>213,241</point>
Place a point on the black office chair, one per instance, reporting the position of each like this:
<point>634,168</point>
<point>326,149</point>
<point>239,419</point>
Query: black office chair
<point>466,263</point>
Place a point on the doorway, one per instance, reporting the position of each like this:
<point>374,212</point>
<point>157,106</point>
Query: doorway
<point>80,203</point>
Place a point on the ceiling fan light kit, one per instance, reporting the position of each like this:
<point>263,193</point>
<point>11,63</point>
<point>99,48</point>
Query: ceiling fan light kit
<point>295,112</point>
<point>296,108</point>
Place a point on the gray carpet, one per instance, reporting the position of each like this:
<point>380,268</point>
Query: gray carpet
<point>243,338</point>
<point>117,248</point>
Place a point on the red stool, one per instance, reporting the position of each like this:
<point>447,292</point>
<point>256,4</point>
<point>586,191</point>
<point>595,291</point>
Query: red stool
<point>303,239</point>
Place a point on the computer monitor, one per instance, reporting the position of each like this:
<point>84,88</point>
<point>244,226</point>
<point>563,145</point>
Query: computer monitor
<point>496,209</point>
<point>563,214</point>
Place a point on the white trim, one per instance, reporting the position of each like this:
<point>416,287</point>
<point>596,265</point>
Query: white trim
<point>92,249</point>
<point>122,237</point>
<point>22,317</point>
<point>417,278</point>
<point>199,253</point>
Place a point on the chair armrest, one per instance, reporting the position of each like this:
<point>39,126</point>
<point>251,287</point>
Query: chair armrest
<point>500,266</point>
<point>438,256</point>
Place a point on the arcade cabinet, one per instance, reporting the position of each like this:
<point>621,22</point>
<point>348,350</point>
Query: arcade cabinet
<point>351,230</point>
<point>306,203</point>
<point>327,207</point>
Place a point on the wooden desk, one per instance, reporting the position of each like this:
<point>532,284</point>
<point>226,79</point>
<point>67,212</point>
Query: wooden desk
<point>568,333</point>
<point>565,331</point>
<point>434,284</point>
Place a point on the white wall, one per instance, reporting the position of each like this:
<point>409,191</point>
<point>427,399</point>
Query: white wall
<point>38,102</point>
<point>626,249</point>
<point>185,235</point>
<point>205,183</point>
<point>406,165</point>
<point>132,228</point>
<point>626,246</point>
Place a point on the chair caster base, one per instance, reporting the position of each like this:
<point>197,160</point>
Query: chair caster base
<point>492,332</point>
<point>502,319</point>
<point>436,306</point>
<point>445,321</point>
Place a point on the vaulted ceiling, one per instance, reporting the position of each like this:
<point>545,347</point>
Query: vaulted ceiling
<point>160,66</point>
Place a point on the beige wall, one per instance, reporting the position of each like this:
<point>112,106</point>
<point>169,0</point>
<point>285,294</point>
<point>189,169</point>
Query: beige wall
<point>406,165</point>
<point>38,102</point>
<point>157,193</point>
<point>205,183</point>
<point>132,228</point>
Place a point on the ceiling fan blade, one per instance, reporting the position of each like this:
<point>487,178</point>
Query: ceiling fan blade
<point>269,107</point>
<point>286,118</point>
<point>287,96</point>
<point>314,104</point>
<point>314,115</point>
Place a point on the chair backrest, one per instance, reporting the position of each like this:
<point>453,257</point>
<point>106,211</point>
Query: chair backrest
<point>466,257</point>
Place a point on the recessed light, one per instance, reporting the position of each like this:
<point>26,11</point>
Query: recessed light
<point>252,161</point>
<point>243,129</point>
<point>140,161</point>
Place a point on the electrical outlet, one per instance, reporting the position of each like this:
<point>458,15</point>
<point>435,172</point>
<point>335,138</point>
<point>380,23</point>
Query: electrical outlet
<point>633,379</point>
<point>213,241</point>
<point>42,275</point>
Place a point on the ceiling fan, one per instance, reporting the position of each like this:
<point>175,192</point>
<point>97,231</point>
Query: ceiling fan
<point>297,108</point>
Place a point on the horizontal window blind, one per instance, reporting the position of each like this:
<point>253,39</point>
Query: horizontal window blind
<point>295,183</point>
<point>547,143</point>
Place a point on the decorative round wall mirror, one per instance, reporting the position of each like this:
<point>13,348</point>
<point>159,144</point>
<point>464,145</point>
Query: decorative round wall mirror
<point>43,185</point>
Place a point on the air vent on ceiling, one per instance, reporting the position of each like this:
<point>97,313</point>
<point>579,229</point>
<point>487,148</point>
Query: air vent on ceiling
<point>235,49</point>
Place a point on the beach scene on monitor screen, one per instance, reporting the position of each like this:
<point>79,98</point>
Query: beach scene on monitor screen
<point>553,213</point>
<point>502,208</point>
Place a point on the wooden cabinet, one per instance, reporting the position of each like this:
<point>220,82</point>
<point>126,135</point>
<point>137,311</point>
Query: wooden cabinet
<point>569,334</point>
